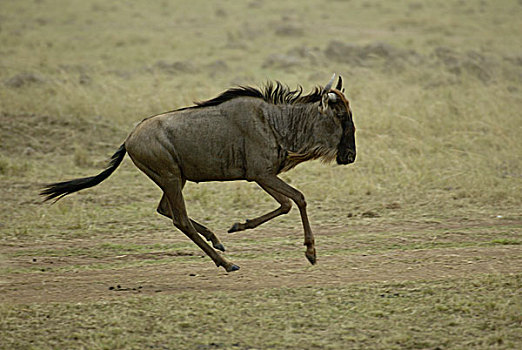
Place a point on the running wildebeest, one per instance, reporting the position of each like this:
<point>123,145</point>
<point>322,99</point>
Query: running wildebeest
<point>242,134</point>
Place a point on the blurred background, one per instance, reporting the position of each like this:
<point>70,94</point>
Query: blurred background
<point>434,88</point>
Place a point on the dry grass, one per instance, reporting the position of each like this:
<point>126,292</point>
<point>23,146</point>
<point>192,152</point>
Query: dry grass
<point>435,89</point>
<point>442,315</point>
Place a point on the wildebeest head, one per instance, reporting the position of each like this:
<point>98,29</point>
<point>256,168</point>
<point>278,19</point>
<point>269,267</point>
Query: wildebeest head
<point>335,105</point>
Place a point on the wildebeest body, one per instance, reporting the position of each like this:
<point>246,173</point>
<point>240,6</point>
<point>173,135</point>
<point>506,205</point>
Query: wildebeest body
<point>240,139</point>
<point>214,143</point>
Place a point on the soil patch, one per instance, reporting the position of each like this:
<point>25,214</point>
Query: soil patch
<point>257,272</point>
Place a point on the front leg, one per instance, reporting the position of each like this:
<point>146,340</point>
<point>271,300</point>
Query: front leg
<point>275,184</point>
<point>285,207</point>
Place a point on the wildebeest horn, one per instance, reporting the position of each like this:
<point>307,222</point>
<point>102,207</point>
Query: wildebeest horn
<point>330,83</point>
<point>339,83</point>
<point>332,97</point>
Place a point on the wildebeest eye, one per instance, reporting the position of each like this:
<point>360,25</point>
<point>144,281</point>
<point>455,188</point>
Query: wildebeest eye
<point>342,115</point>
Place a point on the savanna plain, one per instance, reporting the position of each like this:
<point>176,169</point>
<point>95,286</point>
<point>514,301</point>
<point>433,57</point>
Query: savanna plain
<point>418,241</point>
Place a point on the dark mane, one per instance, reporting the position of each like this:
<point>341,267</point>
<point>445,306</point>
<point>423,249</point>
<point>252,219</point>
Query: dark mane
<point>275,93</point>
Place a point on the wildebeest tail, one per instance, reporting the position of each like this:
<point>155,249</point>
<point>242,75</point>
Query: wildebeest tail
<point>61,189</point>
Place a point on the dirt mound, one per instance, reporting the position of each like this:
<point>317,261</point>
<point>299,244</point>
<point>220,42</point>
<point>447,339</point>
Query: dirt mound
<point>295,57</point>
<point>290,30</point>
<point>368,55</point>
<point>282,61</point>
<point>32,134</point>
<point>479,65</point>
<point>175,67</point>
<point>24,79</point>
<point>471,62</point>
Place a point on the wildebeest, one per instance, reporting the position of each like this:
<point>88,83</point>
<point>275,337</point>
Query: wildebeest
<point>245,133</point>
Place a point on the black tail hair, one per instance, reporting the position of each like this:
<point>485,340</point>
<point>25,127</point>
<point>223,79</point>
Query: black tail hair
<point>61,189</point>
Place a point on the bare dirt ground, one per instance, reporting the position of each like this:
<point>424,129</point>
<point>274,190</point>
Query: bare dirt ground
<point>336,266</point>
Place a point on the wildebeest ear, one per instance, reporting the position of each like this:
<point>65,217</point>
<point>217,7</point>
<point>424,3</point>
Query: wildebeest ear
<point>339,83</point>
<point>325,97</point>
<point>323,105</point>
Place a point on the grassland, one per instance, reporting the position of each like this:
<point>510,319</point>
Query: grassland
<point>418,241</point>
<point>395,316</point>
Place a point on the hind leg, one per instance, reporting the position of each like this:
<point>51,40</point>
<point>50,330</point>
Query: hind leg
<point>164,171</point>
<point>172,190</point>
<point>163,209</point>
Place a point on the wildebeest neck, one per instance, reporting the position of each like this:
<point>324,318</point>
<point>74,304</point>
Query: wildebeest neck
<point>302,133</point>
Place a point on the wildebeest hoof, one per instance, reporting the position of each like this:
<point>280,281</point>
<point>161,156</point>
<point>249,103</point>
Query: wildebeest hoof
<point>219,246</point>
<point>310,255</point>
<point>232,268</point>
<point>236,227</point>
